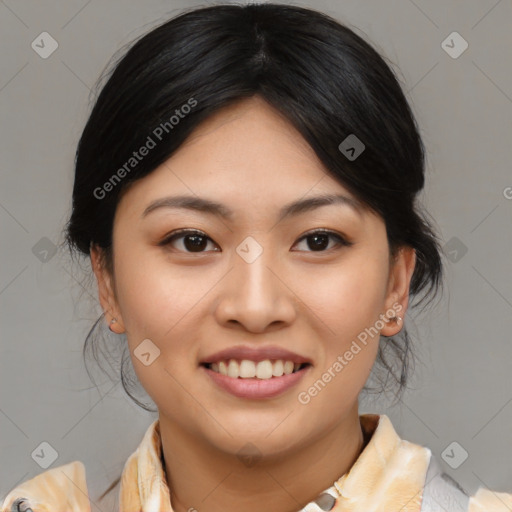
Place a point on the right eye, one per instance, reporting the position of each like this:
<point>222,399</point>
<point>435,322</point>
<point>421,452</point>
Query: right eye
<point>193,240</point>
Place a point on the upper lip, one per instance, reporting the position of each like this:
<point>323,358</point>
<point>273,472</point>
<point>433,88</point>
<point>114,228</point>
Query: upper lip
<point>255,354</point>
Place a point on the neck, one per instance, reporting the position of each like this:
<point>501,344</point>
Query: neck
<point>201,477</point>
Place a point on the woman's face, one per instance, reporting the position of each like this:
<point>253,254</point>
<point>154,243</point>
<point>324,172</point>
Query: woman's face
<point>251,279</point>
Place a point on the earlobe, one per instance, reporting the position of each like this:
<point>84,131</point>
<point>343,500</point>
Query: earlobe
<point>105,290</point>
<point>113,326</point>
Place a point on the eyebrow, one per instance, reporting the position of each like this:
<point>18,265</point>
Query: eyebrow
<point>203,205</point>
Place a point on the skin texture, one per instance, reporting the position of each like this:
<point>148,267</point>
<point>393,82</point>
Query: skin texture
<point>192,304</point>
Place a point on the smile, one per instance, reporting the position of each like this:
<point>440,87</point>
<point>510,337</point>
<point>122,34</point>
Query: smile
<point>248,379</point>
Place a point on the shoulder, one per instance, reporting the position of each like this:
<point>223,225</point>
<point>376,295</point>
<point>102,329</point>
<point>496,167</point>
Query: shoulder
<point>441,490</point>
<point>485,500</point>
<point>61,488</point>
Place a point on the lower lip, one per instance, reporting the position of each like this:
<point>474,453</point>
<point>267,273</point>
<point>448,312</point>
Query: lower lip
<point>256,388</point>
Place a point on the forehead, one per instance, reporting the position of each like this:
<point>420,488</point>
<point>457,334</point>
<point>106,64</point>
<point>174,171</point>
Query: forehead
<point>253,136</point>
<point>246,156</point>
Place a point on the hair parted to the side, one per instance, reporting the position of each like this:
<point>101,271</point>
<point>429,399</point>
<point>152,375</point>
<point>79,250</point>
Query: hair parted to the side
<point>319,74</point>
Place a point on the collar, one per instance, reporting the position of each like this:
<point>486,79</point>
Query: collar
<point>389,474</point>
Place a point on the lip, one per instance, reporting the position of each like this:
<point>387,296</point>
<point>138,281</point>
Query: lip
<point>255,354</point>
<point>256,388</point>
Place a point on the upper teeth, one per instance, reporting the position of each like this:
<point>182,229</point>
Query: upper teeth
<point>249,369</point>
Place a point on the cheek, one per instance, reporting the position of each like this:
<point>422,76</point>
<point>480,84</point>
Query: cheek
<point>157,304</point>
<point>347,306</point>
<point>347,297</point>
<point>148,295</point>
<point>347,302</point>
<point>161,301</point>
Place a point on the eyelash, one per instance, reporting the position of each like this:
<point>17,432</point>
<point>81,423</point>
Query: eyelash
<point>182,233</point>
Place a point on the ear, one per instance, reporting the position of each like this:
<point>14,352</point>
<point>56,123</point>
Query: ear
<point>106,292</point>
<point>397,298</point>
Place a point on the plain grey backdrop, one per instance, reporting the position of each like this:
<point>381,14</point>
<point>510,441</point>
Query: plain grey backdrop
<point>463,103</point>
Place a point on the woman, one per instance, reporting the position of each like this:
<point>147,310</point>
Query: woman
<point>245,187</point>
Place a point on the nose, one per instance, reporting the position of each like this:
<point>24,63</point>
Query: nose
<point>256,295</point>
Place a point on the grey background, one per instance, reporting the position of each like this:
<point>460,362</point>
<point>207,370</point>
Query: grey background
<point>463,386</point>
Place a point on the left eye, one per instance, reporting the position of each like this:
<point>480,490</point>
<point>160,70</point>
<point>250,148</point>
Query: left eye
<point>195,241</point>
<point>320,240</point>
